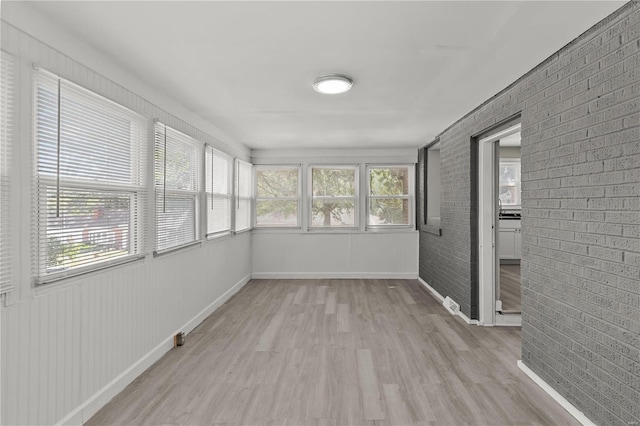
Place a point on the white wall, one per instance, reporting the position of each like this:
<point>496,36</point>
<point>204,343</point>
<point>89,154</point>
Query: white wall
<point>321,253</point>
<point>335,255</point>
<point>66,348</point>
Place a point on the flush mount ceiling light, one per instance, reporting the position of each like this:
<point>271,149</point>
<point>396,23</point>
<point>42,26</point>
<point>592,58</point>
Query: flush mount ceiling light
<point>332,84</point>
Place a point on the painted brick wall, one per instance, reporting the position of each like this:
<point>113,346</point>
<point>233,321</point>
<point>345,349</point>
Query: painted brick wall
<point>580,112</point>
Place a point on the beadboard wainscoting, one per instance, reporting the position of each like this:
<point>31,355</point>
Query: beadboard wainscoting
<point>90,337</point>
<point>71,345</point>
<point>335,255</point>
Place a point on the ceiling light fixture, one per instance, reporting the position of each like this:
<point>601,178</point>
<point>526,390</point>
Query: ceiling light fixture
<point>332,84</point>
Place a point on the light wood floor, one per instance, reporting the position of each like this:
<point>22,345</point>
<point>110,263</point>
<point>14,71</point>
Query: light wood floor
<point>510,288</point>
<point>337,352</point>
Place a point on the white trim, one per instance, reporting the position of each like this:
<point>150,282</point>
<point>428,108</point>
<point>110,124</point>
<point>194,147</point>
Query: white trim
<point>336,275</point>
<point>487,259</point>
<point>502,133</point>
<point>335,156</point>
<point>356,197</point>
<point>579,415</point>
<point>442,299</point>
<point>88,408</point>
<point>508,320</point>
<point>366,195</point>
<point>431,290</point>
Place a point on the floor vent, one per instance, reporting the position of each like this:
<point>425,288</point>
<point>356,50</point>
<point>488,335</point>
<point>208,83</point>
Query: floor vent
<point>451,306</point>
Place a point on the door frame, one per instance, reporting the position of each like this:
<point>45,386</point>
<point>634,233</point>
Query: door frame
<point>488,225</point>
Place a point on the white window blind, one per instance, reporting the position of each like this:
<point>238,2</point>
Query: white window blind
<point>243,195</point>
<point>218,189</point>
<point>177,171</point>
<point>90,176</point>
<point>6,136</point>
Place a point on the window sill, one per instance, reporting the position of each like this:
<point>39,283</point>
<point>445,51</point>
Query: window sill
<point>431,229</point>
<point>320,231</point>
<point>171,250</point>
<point>52,283</point>
<point>242,231</point>
<point>220,236</point>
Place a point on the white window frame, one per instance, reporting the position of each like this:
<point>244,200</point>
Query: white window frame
<point>356,196</point>
<point>161,192</point>
<point>239,198</point>
<point>517,185</point>
<point>409,196</point>
<point>138,192</point>
<point>297,198</point>
<point>228,195</point>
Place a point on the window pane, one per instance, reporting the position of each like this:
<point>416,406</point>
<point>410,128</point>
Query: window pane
<point>92,226</point>
<point>389,181</point>
<point>86,150</point>
<point>393,211</point>
<point>333,182</point>
<point>277,212</point>
<point>509,178</point>
<point>277,183</point>
<point>333,213</point>
<point>178,177</point>
<point>95,136</point>
<point>243,214</point>
<point>218,188</point>
<point>176,225</point>
<point>217,169</point>
<point>243,196</point>
<point>271,184</point>
<point>508,174</point>
<point>94,142</point>
<point>509,196</point>
<point>181,166</point>
<point>244,179</point>
<point>218,219</point>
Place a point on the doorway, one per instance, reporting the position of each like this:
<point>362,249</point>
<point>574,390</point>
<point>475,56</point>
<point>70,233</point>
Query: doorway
<point>499,218</point>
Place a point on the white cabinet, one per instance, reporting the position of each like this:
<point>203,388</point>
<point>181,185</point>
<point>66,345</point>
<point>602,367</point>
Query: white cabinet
<point>509,240</point>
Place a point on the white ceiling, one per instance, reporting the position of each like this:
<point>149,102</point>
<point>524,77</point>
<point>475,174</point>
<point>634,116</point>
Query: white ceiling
<point>247,67</point>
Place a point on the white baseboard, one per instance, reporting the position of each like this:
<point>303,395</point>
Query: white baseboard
<point>441,299</point>
<point>88,408</point>
<point>334,275</point>
<point>509,320</point>
<point>579,415</point>
<point>195,321</point>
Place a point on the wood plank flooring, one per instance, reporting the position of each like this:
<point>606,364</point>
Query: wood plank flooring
<point>336,352</point>
<point>510,288</point>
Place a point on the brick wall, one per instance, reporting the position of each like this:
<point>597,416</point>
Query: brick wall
<point>580,114</point>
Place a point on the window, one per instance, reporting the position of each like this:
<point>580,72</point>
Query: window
<point>6,126</point>
<point>90,177</point>
<point>509,182</point>
<point>333,196</point>
<point>277,196</point>
<point>389,200</point>
<point>178,161</point>
<point>243,196</point>
<point>218,189</point>
<point>433,185</point>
